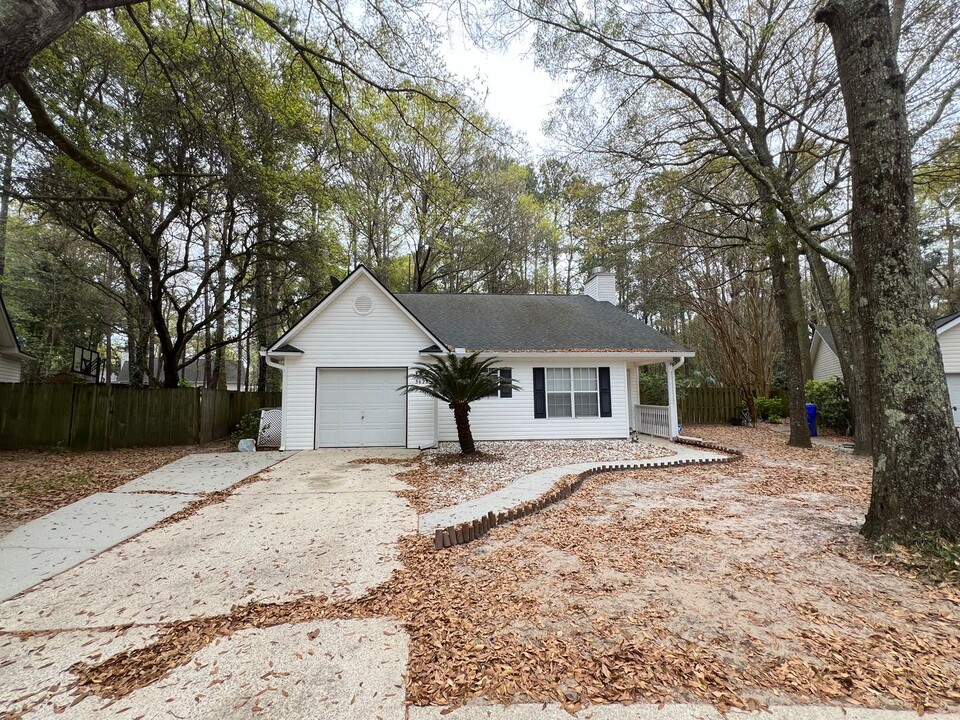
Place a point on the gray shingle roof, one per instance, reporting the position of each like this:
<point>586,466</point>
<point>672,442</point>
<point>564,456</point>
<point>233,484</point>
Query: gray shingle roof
<point>940,322</point>
<point>193,373</point>
<point>827,335</point>
<point>526,323</point>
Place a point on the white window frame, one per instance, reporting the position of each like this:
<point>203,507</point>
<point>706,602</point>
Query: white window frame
<point>572,392</point>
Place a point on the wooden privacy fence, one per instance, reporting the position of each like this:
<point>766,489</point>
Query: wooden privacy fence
<point>88,417</point>
<point>709,404</point>
<point>713,404</point>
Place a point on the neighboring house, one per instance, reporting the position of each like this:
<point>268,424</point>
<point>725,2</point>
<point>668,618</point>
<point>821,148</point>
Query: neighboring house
<point>11,357</point>
<point>575,358</point>
<point>193,375</point>
<point>823,352</point>
<point>826,364</point>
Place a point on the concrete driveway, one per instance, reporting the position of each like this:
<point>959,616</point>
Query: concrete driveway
<point>318,525</point>
<point>66,537</point>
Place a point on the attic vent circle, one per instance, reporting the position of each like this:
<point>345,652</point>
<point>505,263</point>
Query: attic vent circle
<point>363,304</point>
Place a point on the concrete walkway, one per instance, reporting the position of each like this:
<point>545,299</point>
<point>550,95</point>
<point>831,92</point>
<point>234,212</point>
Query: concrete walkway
<point>66,537</point>
<point>530,487</point>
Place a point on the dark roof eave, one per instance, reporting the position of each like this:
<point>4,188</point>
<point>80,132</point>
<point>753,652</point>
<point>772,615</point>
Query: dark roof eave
<point>17,355</point>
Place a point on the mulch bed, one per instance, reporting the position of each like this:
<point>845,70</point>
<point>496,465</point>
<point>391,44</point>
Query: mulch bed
<point>442,476</point>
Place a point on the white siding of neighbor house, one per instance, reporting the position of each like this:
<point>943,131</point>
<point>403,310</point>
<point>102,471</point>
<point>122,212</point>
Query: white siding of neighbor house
<point>826,364</point>
<point>9,370</point>
<point>950,349</point>
<point>340,337</point>
<point>512,418</point>
<point>949,341</point>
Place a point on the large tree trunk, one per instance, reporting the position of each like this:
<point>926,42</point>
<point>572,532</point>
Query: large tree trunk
<point>8,144</point>
<point>461,414</point>
<point>218,379</point>
<point>785,301</point>
<point>795,294</point>
<point>916,468</point>
<point>171,372</point>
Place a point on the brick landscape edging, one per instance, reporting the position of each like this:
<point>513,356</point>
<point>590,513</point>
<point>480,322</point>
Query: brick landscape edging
<point>465,532</point>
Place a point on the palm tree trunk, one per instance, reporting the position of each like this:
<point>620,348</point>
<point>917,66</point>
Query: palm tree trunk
<point>461,414</point>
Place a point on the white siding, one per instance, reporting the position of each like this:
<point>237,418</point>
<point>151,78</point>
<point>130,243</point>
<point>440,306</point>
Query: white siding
<point>512,418</point>
<point>950,349</point>
<point>339,337</point>
<point>9,370</point>
<point>826,364</point>
<point>953,387</point>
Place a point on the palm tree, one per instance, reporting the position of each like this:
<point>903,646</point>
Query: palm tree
<point>459,380</point>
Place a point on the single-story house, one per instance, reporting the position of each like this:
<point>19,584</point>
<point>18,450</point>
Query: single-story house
<point>193,375</point>
<point>574,357</point>
<point>11,356</point>
<point>826,363</point>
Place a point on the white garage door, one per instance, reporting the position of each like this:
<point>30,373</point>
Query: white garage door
<point>953,385</point>
<point>361,407</point>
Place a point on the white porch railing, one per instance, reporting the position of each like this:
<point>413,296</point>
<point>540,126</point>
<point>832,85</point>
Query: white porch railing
<point>652,420</point>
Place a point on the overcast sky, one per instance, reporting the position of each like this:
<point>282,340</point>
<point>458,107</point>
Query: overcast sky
<point>516,92</point>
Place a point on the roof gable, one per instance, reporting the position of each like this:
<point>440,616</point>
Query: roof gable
<point>9,345</point>
<point>822,335</point>
<point>947,323</point>
<point>360,272</point>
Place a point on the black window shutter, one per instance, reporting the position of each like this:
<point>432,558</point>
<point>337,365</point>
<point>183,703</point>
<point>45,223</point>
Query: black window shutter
<point>603,375</point>
<point>506,374</point>
<point>539,393</point>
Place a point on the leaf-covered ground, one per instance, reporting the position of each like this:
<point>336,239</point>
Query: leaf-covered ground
<point>741,584</point>
<point>35,482</point>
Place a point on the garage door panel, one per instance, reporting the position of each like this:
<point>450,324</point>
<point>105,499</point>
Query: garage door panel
<point>360,407</point>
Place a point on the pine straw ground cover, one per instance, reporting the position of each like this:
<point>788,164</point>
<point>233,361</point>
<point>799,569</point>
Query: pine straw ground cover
<point>741,585</point>
<point>442,476</point>
<point>35,482</point>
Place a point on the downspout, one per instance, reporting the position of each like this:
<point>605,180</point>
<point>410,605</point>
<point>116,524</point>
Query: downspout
<point>672,397</point>
<point>283,384</point>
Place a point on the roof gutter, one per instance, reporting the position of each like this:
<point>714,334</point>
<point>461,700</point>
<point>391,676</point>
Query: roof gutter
<point>267,356</point>
<point>653,356</point>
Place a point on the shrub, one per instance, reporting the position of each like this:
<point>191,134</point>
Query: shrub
<point>770,409</point>
<point>247,428</point>
<point>833,403</point>
<point>653,388</point>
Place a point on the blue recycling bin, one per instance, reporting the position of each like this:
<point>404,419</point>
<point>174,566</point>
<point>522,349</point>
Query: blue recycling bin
<point>812,419</point>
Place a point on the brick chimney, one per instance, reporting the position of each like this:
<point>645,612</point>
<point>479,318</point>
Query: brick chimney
<point>601,285</point>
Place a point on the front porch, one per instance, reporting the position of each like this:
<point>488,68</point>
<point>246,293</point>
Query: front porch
<point>656,420</point>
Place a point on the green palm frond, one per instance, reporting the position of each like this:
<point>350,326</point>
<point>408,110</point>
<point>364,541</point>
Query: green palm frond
<point>457,379</point>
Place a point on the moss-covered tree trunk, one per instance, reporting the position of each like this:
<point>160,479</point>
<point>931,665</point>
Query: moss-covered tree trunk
<point>916,469</point>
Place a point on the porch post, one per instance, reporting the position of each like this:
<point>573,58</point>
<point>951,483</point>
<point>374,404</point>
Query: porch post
<point>672,397</point>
